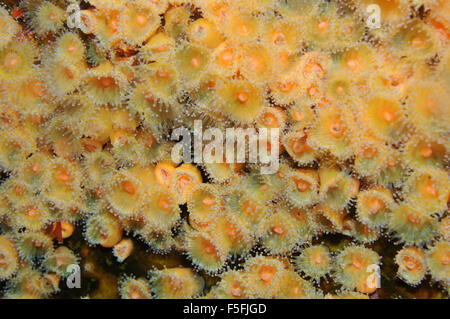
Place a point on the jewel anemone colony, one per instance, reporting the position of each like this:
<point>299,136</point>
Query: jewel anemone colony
<point>85,123</point>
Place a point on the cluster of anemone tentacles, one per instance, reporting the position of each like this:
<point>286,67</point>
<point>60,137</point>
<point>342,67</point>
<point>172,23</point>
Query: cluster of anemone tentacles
<point>86,117</point>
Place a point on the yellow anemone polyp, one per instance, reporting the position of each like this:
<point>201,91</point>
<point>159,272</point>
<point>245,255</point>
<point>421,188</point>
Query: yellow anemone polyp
<point>34,168</point>
<point>315,261</point>
<point>282,34</point>
<point>281,233</point>
<point>32,216</point>
<point>272,117</point>
<point>412,225</point>
<point>177,21</point>
<point>241,101</point>
<point>429,189</point>
<point>203,201</point>
<point>373,206</point>
<point>336,187</point>
<point>428,109</point>
<point>184,178</point>
<point>103,229</point>
<point>295,143</point>
<point>106,25</point>
<point>236,231</point>
<point>48,18</point>
<point>231,285</point>
<point>416,41</point>
<point>331,131</point>
<point>30,96</point>
<point>139,21</point>
<point>353,270</point>
<point>123,249</point>
<point>420,151</point>
<point>204,32</point>
<point>34,245</point>
<point>285,87</point>
<point>216,10</point>
<point>131,288</point>
<point>438,260</point>
<point>70,49</point>
<point>295,287</point>
<point>123,193</point>
<point>17,59</point>
<point>385,117</point>
<point>65,77</point>
<point>105,84</point>
<point>98,167</point>
<point>95,122</point>
<point>192,62</point>
<point>16,146</point>
<point>8,27</point>
<point>9,258</point>
<point>241,27</point>
<point>313,69</point>
<point>158,48</point>
<point>164,173</point>
<point>370,155</point>
<point>256,64</point>
<point>160,210</point>
<point>63,183</point>
<point>58,260</point>
<point>176,283</point>
<point>225,57</point>
<point>260,189</point>
<point>163,78</point>
<point>411,265</point>
<point>250,210</point>
<point>207,251</point>
<point>340,86</point>
<point>357,60</point>
<point>302,187</point>
<point>265,276</point>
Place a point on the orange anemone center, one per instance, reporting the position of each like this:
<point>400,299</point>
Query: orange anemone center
<point>236,290</point>
<point>426,151</point>
<point>164,203</point>
<point>302,185</point>
<point>242,96</point>
<point>106,82</point>
<point>278,229</point>
<point>336,129</point>
<point>375,206</point>
<point>129,187</point>
<point>208,201</point>
<point>388,115</point>
<point>141,20</point>
<point>195,61</point>
<point>266,273</point>
<point>357,262</point>
<point>323,26</point>
<point>410,263</point>
<point>12,60</point>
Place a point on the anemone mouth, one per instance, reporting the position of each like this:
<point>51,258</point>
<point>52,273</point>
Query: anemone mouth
<point>236,290</point>
<point>376,205</point>
<point>278,230</point>
<point>302,185</point>
<point>323,26</point>
<point>106,82</point>
<point>336,129</point>
<point>266,273</point>
<point>12,60</point>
